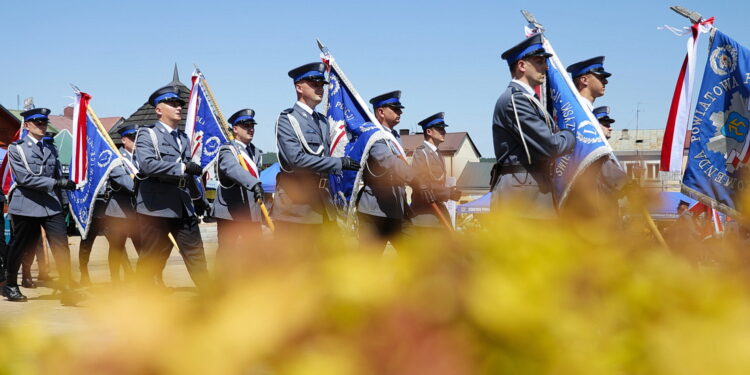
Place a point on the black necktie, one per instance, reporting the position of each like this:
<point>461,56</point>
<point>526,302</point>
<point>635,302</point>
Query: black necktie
<point>175,137</point>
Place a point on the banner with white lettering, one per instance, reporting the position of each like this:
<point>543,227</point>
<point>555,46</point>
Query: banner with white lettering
<point>717,161</point>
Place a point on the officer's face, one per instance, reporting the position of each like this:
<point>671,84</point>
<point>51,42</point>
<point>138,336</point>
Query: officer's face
<point>37,128</point>
<point>682,208</point>
<point>311,92</point>
<point>389,116</point>
<point>169,111</point>
<point>437,133</point>
<point>244,132</point>
<point>606,129</point>
<point>128,142</point>
<point>535,69</point>
<point>596,84</point>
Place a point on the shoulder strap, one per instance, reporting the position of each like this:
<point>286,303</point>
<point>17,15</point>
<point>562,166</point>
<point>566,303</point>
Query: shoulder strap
<point>298,131</point>
<point>25,162</point>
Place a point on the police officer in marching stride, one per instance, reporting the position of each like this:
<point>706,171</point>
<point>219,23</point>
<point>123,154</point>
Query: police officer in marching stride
<point>166,189</point>
<point>381,205</point>
<point>37,201</point>
<point>302,200</point>
<point>526,139</point>
<point>236,206</point>
<point>119,213</point>
<point>429,166</point>
<point>590,78</point>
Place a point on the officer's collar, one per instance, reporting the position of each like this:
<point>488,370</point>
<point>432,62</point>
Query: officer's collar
<point>525,87</point>
<point>167,127</point>
<point>240,143</point>
<point>431,146</point>
<point>32,139</point>
<point>305,107</point>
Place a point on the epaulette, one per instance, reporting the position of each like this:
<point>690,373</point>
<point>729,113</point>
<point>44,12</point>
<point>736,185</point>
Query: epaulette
<point>147,126</point>
<point>18,142</point>
<point>287,111</point>
<point>420,146</point>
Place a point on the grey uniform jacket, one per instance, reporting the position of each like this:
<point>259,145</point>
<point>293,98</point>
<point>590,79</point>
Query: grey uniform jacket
<point>520,177</point>
<point>164,190</point>
<point>120,191</point>
<point>234,200</point>
<point>430,169</point>
<point>385,176</point>
<point>36,170</point>
<point>301,191</point>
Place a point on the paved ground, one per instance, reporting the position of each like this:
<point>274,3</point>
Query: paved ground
<point>45,307</point>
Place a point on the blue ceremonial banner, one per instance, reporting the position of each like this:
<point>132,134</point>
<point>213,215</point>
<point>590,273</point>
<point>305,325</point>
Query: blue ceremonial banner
<point>101,157</point>
<point>353,131</point>
<point>571,111</point>
<point>717,161</point>
<point>202,126</point>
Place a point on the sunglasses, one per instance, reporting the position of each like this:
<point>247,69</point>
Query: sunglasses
<point>174,103</point>
<point>40,122</point>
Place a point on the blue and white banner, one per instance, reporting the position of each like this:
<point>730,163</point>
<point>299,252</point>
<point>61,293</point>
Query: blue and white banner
<point>100,155</point>
<point>353,131</point>
<point>202,126</point>
<point>571,111</point>
<point>718,157</point>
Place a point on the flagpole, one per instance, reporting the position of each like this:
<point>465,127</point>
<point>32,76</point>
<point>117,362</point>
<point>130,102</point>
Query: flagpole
<point>225,130</point>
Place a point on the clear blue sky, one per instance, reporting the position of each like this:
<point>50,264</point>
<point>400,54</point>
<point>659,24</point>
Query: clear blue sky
<point>443,55</point>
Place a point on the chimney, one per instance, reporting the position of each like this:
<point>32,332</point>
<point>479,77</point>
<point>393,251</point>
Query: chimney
<point>68,112</point>
<point>403,132</point>
<point>624,136</point>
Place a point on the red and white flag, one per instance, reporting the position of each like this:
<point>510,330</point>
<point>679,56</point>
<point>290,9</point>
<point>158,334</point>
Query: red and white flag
<point>79,161</point>
<point>678,122</point>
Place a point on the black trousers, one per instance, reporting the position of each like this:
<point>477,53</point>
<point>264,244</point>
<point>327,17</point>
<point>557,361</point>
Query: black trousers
<point>156,247</point>
<point>236,234</point>
<point>117,231</point>
<point>377,231</point>
<point>26,235</point>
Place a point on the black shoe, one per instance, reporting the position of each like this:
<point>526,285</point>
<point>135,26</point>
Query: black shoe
<point>13,294</point>
<point>69,297</point>
<point>28,282</point>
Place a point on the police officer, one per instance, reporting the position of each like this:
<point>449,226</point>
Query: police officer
<point>525,137</point>
<point>302,200</point>
<point>605,121</point>
<point>430,169</point>
<point>37,201</point>
<point>236,206</point>
<point>381,205</point>
<point>590,78</point>
<point>166,189</point>
<point>116,217</point>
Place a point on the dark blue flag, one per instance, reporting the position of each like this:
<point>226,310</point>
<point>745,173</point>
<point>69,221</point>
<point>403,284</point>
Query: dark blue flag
<point>353,131</point>
<point>100,156</point>
<point>202,125</point>
<point>718,155</point>
<point>572,113</point>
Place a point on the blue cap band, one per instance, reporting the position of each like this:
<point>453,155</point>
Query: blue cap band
<point>129,131</point>
<point>309,74</point>
<point>161,97</point>
<point>387,101</point>
<point>602,114</point>
<point>586,69</point>
<point>36,116</point>
<point>523,53</point>
<point>434,122</point>
<point>242,118</point>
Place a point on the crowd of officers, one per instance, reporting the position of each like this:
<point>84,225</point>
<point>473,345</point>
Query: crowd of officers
<point>155,197</point>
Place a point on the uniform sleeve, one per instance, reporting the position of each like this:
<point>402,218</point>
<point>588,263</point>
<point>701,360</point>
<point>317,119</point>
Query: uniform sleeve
<point>539,138</point>
<point>613,178</point>
<point>290,150</point>
<point>231,169</point>
<point>148,162</point>
<point>23,177</point>
<point>383,157</point>
<point>121,178</point>
<point>419,166</point>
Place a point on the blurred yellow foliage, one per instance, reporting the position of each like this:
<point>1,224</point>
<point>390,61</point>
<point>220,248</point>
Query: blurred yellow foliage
<point>578,296</point>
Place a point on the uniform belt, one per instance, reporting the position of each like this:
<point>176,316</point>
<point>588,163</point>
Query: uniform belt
<point>181,182</point>
<point>516,168</point>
